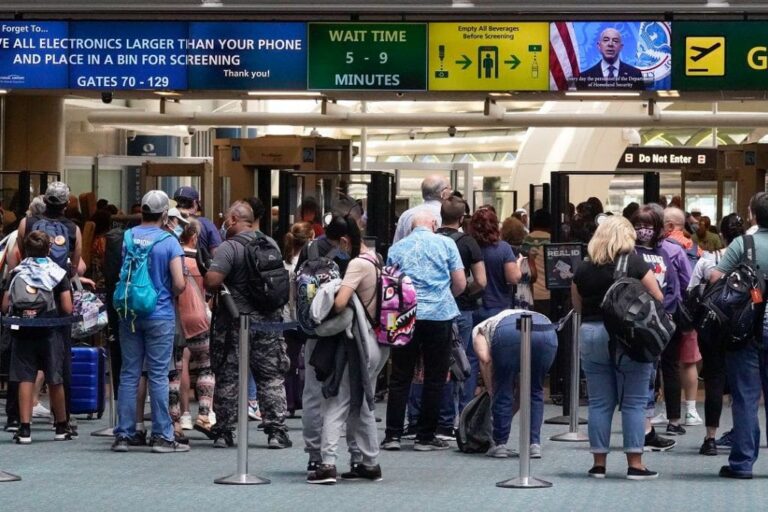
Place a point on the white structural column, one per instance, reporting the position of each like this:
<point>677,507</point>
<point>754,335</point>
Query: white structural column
<point>545,150</point>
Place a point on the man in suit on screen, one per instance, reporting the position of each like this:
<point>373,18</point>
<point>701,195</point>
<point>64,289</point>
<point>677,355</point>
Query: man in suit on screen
<point>610,72</point>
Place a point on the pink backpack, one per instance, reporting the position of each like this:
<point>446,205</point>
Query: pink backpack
<point>395,305</point>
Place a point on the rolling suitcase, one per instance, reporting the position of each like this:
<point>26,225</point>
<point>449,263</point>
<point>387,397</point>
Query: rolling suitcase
<point>88,380</point>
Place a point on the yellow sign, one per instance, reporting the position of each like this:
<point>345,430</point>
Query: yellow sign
<point>704,56</point>
<point>488,56</point>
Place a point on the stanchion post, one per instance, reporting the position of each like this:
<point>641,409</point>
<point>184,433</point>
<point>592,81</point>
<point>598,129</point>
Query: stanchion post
<point>241,477</point>
<point>110,430</point>
<point>573,435</point>
<point>525,480</point>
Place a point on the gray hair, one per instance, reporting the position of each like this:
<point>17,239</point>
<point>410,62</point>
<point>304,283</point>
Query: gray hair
<point>423,218</point>
<point>242,211</point>
<point>432,187</point>
<point>37,206</point>
<point>674,216</point>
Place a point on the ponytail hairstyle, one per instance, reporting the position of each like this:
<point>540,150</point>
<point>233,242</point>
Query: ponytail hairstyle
<point>297,237</point>
<point>704,224</point>
<point>345,226</point>
<point>355,237</point>
<point>191,229</point>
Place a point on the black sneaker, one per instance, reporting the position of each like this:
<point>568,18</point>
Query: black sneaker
<point>641,474</point>
<point>324,474</point>
<point>62,432</point>
<point>12,425</point>
<point>656,443</point>
<point>429,445</point>
<point>708,447</point>
<point>209,433</point>
<point>391,444</point>
<point>409,432</point>
<point>278,441</point>
<point>224,439</point>
<point>446,433</point>
<point>24,434</point>
<point>675,430</point>
<point>139,438</point>
<point>120,444</point>
<point>597,472</point>
<point>360,471</point>
<point>180,438</point>
<point>727,472</point>
<point>725,441</point>
<point>312,465</point>
<point>162,445</point>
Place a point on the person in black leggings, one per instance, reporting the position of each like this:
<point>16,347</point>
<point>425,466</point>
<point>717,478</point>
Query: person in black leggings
<point>710,345</point>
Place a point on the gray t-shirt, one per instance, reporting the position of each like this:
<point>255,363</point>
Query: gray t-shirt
<point>229,260</point>
<point>735,250</point>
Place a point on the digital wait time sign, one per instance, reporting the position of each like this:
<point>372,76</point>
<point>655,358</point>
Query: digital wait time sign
<point>367,56</point>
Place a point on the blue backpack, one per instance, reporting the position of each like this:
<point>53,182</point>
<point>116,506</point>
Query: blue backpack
<point>59,234</point>
<point>135,294</point>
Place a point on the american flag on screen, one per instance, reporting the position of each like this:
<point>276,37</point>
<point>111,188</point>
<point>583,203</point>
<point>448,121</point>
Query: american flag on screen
<point>563,57</point>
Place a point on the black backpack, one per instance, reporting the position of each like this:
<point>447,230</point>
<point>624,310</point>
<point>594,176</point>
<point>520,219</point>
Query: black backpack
<point>268,281</point>
<point>113,258</point>
<point>729,305</point>
<point>633,318</point>
<point>475,432</point>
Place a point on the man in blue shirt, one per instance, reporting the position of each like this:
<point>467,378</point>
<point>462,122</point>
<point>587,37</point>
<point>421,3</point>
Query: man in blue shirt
<point>188,201</point>
<point>149,339</point>
<point>434,265</point>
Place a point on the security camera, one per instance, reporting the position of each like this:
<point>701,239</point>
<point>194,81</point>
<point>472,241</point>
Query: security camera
<point>451,131</point>
<point>411,134</point>
<point>191,130</point>
<point>131,134</point>
<point>186,140</point>
<point>106,97</point>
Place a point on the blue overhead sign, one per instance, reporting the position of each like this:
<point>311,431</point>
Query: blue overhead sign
<point>32,55</point>
<point>129,55</point>
<point>248,55</point>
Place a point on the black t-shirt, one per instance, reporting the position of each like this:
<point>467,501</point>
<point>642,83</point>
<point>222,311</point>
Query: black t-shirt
<point>593,282</point>
<point>324,247</point>
<point>470,253</point>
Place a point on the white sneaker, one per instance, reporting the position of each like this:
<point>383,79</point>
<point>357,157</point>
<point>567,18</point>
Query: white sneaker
<point>40,411</point>
<point>660,419</point>
<point>535,451</point>
<point>253,411</point>
<point>186,421</point>
<point>498,451</point>
<point>693,419</point>
<point>212,417</point>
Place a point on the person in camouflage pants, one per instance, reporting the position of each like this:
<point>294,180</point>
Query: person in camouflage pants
<point>269,363</point>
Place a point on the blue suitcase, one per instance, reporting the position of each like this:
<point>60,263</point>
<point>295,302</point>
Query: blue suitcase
<point>88,380</point>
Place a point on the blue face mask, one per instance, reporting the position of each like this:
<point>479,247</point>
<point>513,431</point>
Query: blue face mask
<point>178,230</point>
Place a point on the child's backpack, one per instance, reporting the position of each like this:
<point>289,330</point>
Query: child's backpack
<point>395,318</point>
<point>729,304</point>
<point>315,271</point>
<point>59,234</point>
<point>475,432</point>
<point>28,301</point>
<point>135,294</point>
<point>268,280</point>
<point>633,318</point>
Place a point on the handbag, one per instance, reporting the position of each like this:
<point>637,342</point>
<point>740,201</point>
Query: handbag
<point>459,367</point>
<point>90,310</point>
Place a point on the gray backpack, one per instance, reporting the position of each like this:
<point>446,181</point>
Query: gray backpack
<point>28,301</point>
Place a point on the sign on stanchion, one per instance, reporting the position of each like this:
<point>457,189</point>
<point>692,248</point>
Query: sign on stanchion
<point>110,430</point>
<point>525,480</point>
<point>241,477</point>
<point>8,477</point>
<point>573,435</point>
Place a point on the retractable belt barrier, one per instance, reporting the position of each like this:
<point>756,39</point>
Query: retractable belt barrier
<point>8,477</point>
<point>524,479</point>
<point>573,435</point>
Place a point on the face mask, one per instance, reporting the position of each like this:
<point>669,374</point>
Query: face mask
<point>644,235</point>
<point>178,230</point>
<point>223,231</point>
<point>694,227</point>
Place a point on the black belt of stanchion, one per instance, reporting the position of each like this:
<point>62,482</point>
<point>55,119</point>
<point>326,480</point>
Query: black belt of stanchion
<point>274,326</point>
<point>40,322</point>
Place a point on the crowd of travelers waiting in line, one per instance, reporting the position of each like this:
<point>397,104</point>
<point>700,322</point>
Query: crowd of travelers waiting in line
<point>329,314</point>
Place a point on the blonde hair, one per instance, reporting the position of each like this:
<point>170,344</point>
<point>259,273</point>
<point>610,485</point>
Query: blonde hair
<point>614,236</point>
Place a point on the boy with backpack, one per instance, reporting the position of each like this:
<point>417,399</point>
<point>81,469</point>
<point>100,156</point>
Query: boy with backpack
<point>38,289</point>
<point>152,273</point>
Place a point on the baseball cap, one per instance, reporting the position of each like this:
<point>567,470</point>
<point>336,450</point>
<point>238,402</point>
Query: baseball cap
<point>186,193</point>
<point>155,201</point>
<point>174,212</point>
<point>57,193</point>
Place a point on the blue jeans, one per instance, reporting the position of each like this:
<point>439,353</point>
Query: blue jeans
<point>623,382</point>
<point>252,390</point>
<point>470,385</point>
<point>744,379</point>
<point>152,342</point>
<point>505,356</point>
